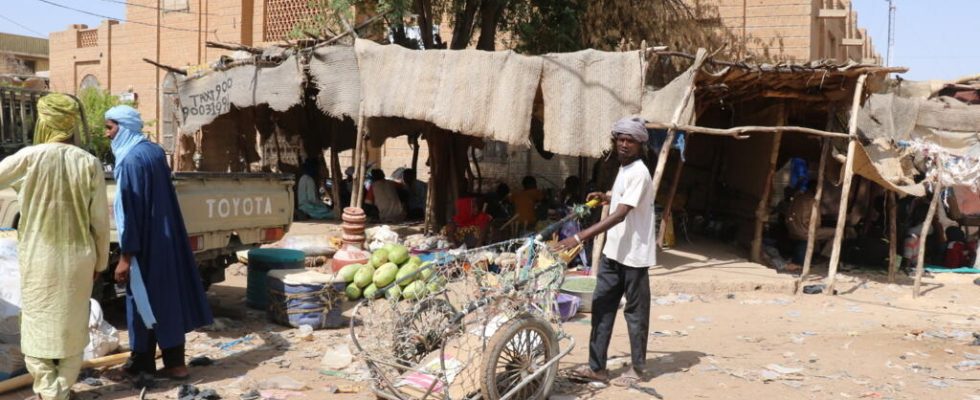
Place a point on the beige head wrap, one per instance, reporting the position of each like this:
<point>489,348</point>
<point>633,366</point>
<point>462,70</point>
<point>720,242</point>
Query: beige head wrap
<point>57,116</point>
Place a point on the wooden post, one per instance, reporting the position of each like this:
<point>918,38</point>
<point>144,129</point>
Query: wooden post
<point>892,237</point>
<point>360,152</point>
<point>667,218</point>
<point>846,188</point>
<point>762,211</point>
<point>811,238</point>
<point>923,235</point>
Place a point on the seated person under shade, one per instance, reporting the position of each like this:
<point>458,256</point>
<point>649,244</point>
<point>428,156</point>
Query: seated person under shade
<point>526,201</point>
<point>308,195</point>
<point>383,195</point>
<point>470,225</point>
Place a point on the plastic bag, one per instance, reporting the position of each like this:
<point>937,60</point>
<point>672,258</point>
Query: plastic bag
<point>311,245</point>
<point>11,360</point>
<point>379,236</point>
<point>9,292</point>
<point>102,337</point>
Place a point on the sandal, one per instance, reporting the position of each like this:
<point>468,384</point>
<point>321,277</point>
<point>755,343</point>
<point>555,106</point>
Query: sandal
<point>168,375</point>
<point>587,374</point>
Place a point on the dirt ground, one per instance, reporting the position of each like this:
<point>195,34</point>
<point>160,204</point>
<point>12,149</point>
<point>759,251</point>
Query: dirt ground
<point>709,340</point>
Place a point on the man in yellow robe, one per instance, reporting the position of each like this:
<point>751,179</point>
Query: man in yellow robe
<point>63,242</point>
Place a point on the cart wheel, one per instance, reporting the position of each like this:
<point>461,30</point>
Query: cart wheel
<point>423,331</point>
<point>516,350</point>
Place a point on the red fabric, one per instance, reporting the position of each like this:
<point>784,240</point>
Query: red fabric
<point>957,255</point>
<point>466,214</point>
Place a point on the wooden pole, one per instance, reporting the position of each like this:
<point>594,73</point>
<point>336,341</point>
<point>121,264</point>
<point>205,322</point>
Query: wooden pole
<point>360,153</point>
<point>737,132</point>
<point>762,211</point>
<point>892,237</point>
<point>667,218</point>
<point>658,173</point>
<point>923,236</point>
<point>338,179</point>
<point>814,216</point>
<point>18,382</point>
<point>846,188</point>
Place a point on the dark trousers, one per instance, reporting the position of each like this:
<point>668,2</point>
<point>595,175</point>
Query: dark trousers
<point>145,362</point>
<point>612,282</point>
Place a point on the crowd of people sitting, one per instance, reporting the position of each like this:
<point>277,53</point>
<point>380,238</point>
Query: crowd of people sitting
<point>867,234</point>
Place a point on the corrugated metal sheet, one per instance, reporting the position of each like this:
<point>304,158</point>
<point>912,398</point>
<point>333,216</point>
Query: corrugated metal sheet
<point>10,43</point>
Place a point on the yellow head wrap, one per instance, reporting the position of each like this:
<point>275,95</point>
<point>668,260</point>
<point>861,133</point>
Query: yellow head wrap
<point>57,116</point>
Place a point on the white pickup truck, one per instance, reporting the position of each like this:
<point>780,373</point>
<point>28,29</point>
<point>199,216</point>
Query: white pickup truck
<point>223,212</point>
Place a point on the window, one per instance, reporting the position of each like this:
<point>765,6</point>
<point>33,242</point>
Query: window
<point>175,5</point>
<point>169,116</point>
<point>30,65</point>
<point>284,16</point>
<point>89,81</point>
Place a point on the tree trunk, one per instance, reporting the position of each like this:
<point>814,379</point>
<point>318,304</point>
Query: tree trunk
<point>463,30</point>
<point>490,13</point>
<point>424,10</point>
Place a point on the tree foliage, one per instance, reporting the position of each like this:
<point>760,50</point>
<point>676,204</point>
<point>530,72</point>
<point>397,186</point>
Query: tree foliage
<point>95,103</point>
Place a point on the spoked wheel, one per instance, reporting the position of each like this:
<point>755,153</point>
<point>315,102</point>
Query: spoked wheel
<point>518,349</point>
<point>423,331</point>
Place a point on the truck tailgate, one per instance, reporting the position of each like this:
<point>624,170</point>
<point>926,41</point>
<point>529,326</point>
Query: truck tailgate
<point>214,202</point>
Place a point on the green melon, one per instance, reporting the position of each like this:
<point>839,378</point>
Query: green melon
<point>407,272</point>
<point>398,254</point>
<point>353,292</point>
<point>385,274</point>
<point>348,272</point>
<point>416,290</point>
<point>370,291</point>
<point>379,258</point>
<point>364,276</point>
<point>393,293</point>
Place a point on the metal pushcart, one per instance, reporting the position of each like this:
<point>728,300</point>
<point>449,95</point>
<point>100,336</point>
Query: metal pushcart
<point>487,326</point>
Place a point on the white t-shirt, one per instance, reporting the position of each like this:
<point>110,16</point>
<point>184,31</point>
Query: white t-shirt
<point>633,241</point>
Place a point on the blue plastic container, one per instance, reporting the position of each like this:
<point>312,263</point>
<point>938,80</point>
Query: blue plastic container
<point>260,262</point>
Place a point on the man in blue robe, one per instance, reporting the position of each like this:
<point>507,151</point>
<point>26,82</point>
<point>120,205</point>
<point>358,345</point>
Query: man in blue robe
<point>165,297</point>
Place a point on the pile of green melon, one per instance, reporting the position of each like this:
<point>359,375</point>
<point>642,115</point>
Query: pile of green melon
<point>393,270</point>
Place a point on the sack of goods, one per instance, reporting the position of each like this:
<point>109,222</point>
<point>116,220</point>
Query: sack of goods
<point>11,360</point>
<point>301,297</point>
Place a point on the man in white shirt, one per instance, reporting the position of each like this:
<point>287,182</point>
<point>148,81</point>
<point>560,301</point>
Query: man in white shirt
<point>629,251</point>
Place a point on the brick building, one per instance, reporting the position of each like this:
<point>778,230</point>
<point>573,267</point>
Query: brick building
<point>174,32</point>
<point>23,55</point>
<point>798,30</point>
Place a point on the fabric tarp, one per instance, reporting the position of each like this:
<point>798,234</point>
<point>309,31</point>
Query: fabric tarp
<point>205,97</point>
<point>335,72</point>
<point>891,122</point>
<point>477,93</point>
<point>586,92</point>
<point>660,105</point>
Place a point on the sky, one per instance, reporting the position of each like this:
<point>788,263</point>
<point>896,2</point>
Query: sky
<point>935,39</point>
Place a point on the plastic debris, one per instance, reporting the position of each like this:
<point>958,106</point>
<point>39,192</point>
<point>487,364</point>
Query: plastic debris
<point>939,383</point>
<point>337,358</point>
<point>93,382</point>
<point>783,370</point>
<point>305,332</point>
<point>816,289</point>
<point>282,382</point>
<point>666,317</point>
